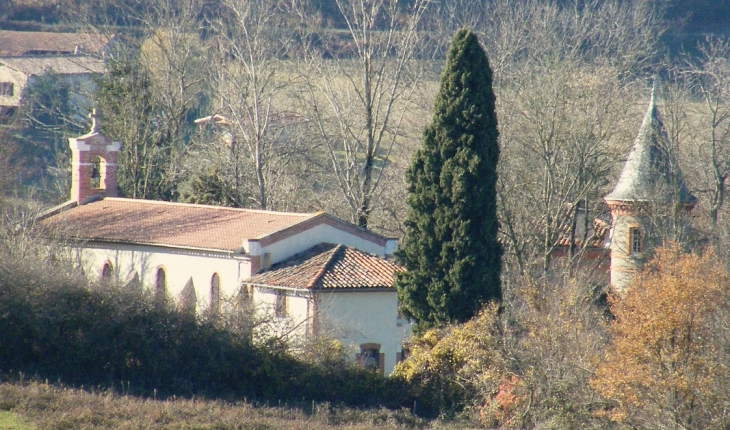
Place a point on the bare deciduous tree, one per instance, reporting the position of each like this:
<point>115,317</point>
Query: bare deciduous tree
<point>709,78</point>
<point>359,88</point>
<point>254,84</point>
<point>564,78</point>
<point>154,87</point>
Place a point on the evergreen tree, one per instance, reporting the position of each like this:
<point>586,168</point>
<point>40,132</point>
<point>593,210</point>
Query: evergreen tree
<point>450,249</point>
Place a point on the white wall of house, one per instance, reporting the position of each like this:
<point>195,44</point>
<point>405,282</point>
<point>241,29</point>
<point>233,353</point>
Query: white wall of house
<point>297,307</point>
<point>18,79</point>
<point>179,265</point>
<point>361,317</point>
<point>81,85</point>
<point>321,233</point>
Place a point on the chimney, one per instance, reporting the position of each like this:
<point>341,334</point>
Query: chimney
<point>93,165</point>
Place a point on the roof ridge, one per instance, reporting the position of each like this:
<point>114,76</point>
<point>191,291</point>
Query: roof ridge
<point>199,205</point>
<point>338,249</point>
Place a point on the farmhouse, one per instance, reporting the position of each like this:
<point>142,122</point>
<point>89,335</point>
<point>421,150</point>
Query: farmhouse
<point>16,73</point>
<point>311,271</point>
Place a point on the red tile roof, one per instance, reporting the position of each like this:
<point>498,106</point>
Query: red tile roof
<point>595,236</point>
<point>168,224</point>
<point>16,43</point>
<point>328,266</point>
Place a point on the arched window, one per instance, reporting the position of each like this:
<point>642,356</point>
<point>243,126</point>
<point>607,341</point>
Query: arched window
<point>96,171</point>
<point>215,293</point>
<point>160,284</point>
<point>107,271</point>
<point>188,299</point>
<point>133,280</point>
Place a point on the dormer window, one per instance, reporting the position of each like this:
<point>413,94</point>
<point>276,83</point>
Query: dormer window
<point>635,240</point>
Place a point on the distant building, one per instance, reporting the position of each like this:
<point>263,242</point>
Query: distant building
<point>312,272</point>
<point>41,43</point>
<point>16,73</point>
<point>650,202</point>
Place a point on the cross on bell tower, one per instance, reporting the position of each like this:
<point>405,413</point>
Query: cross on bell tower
<point>94,122</point>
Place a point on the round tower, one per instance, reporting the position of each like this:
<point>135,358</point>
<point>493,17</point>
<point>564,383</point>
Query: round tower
<point>93,164</point>
<point>649,203</point>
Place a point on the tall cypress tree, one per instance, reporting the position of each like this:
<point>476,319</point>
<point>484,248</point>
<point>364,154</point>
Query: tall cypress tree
<point>450,249</point>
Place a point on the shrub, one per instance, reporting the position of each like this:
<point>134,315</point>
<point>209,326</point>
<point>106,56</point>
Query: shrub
<point>452,367</point>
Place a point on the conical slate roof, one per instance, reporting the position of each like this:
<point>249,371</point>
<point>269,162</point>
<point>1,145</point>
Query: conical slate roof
<point>651,174</point>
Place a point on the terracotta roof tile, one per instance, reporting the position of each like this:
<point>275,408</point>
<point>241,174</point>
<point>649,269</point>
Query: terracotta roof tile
<point>595,237</point>
<point>328,266</point>
<point>168,224</point>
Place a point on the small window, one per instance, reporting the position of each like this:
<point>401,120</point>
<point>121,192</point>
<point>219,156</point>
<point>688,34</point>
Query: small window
<point>403,354</point>
<point>107,271</point>
<point>215,293</point>
<point>160,284</point>
<point>7,89</point>
<point>245,297</point>
<point>635,240</point>
<point>370,357</point>
<point>280,305</point>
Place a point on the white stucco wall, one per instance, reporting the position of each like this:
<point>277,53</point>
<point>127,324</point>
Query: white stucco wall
<point>179,265</point>
<point>353,318</point>
<point>322,233</point>
<point>297,307</point>
<point>364,317</point>
<point>18,79</point>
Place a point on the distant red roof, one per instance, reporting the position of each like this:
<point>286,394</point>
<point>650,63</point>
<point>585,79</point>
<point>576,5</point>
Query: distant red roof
<point>20,43</point>
<point>328,266</point>
<point>168,224</point>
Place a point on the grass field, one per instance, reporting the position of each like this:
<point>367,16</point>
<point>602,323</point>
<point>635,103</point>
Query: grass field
<point>30,406</point>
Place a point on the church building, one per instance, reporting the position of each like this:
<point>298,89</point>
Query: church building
<point>312,272</point>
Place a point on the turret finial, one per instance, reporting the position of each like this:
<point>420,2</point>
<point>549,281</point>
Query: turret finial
<point>653,92</point>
